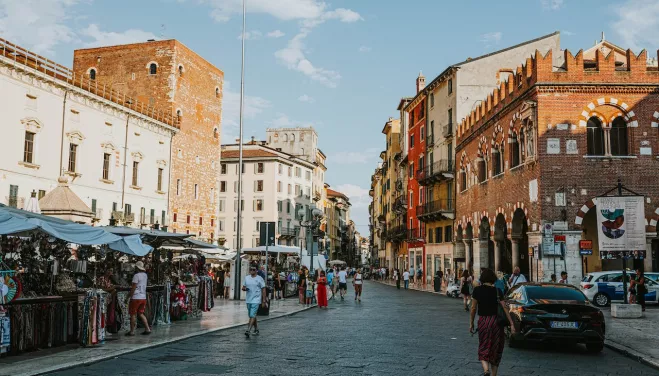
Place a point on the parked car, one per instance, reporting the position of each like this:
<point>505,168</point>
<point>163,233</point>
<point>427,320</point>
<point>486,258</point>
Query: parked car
<point>602,288</point>
<point>542,312</point>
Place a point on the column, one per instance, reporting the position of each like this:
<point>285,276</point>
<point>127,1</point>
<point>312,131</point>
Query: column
<point>469,246</point>
<point>481,257</point>
<point>497,256</point>
<point>515,252</point>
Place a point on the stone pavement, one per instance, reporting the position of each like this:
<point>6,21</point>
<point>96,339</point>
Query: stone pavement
<point>390,332</point>
<point>226,314</point>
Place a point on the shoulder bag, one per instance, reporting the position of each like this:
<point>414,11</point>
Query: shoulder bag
<point>502,318</point>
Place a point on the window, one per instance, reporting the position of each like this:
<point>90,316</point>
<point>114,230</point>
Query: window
<point>128,208</point>
<point>196,191</point>
<point>432,99</point>
<point>307,175</point>
<point>217,92</point>
<point>175,217</point>
<point>298,191</point>
<point>160,170</point>
<point>28,150</point>
<point>201,221</point>
<point>420,196</point>
<point>180,70</point>
<point>223,168</point>
<point>422,109</point>
<point>222,204</point>
<point>179,116</point>
<point>450,86</point>
<point>259,168</point>
<point>258,205</point>
<point>412,141</point>
<point>482,169</point>
<point>106,166</point>
<point>279,206</point>
<point>136,166</point>
<point>431,131</point>
<point>220,225</point>
<point>279,186</point>
<point>41,194</point>
<point>450,120</point>
<point>152,216</point>
<point>92,74</point>
<point>178,187</point>
<point>13,196</point>
<point>187,219</point>
<point>618,137</point>
<point>298,172</point>
<point>73,151</point>
<point>497,162</point>
<point>423,133</point>
<point>430,236</point>
<point>595,136</point>
<point>514,151</point>
<point>288,207</point>
<point>411,198</point>
<point>153,68</point>
<point>290,171</point>
<point>223,186</point>
<point>258,186</point>
<point>448,234</point>
<point>438,235</point>
<point>280,169</point>
<point>411,170</point>
<point>289,189</point>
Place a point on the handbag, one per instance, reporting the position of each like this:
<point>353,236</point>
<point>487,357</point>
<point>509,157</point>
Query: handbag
<point>502,318</point>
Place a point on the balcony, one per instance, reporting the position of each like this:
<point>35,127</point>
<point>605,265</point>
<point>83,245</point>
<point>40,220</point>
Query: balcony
<point>413,235</point>
<point>430,140</point>
<point>397,233</point>
<point>287,233</point>
<point>400,205</point>
<point>436,172</point>
<point>447,130</point>
<point>316,195</point>
<point>436,210</point>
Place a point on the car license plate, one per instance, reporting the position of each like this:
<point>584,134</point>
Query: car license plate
<point>564,325</point>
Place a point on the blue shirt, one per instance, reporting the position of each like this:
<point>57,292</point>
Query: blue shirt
<point>254,286</point>
<point>330,278</point>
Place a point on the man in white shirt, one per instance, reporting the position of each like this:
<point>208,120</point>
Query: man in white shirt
<point>406,279</point>
<point>516,278</point>
<point>136,300</point>
<point>343,282</point>
<point>254,285</point>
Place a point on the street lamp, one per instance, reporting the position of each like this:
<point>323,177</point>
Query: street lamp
<point>313,224</point>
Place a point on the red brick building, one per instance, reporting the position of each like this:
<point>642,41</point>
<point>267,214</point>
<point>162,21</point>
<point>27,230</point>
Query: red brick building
<point>541,147</point>
<point>415,156</point>
<point>166,74</point>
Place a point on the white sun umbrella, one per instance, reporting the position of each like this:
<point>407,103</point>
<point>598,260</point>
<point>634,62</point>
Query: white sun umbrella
<point>32,204</point>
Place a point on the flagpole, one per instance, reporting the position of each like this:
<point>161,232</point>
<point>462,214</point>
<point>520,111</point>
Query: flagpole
<point>237,284</point>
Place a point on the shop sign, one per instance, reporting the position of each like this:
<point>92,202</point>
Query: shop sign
<point>585,252</point>
<point>620,223</point>
<point>559,238</point>
<point>585,244</point>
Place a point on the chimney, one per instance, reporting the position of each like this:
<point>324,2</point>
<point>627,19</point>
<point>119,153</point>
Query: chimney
<point>420,82</point>
<point>237,140</point>
<point>253,141</point>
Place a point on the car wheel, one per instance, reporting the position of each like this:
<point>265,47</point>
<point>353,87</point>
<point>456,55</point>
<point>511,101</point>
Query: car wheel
<point>595,347</point>
<point>601,300</point>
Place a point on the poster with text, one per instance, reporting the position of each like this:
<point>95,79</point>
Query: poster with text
<point>620,223</point>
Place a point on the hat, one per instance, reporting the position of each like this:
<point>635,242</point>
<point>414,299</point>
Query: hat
<point>140,265</point>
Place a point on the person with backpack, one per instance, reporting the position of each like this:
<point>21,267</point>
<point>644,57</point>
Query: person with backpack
<point>465,288</point>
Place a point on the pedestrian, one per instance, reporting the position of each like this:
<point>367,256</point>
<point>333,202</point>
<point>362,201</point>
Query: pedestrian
<point>500,283</point>
<point>330,282</point>
<point>357,283</point>
<point>516,278</point>
<point>419,276</point>
<point>386,273</point>
<point>335,282</point>
<point>261,272</point>
<point>227,284</point>
<point>491,338</point>
<point>552,279</point>
<point>563,278</point>
<point>136,300</point>
<point>412,273</point>
<point>406,279</point>
<point>301,286</point>
<point>641,289</point>
<point>254,286</point>
<point>278,285</point>
<point>220,281</point>
<point>465,288</point>
<point>308,289</point>
<point>397,278</point>
<point>449,278</point>
<point>343,283</point>
<point>322,289</point>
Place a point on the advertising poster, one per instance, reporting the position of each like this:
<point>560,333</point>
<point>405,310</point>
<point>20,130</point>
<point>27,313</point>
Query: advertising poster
<point>620,223</point>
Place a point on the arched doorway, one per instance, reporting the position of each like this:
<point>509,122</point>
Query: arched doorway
<point>503,243</point>
<point>485,245</point>
<point>469,254</point>
<point>520,242</point>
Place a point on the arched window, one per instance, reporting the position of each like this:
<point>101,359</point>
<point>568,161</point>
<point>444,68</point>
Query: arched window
<point>497,161</point>
<point>216,133</point>
<point>596,136</point>
<point>481,163</point>
<point>522,145</point>
<point>293,137</point>
<point>618,135</point>
<point>514,151</point>
<point>179,115</point>
<point>92,74</point>
<point>217,92</point>
<point>285,137</point>
<point>180,70</point>
<point>463,179</point>
<point>153,68</point>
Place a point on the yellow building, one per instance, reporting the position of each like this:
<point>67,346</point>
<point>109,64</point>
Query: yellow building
<point>395,230</point>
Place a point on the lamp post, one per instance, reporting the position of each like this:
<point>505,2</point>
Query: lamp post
<point>312,225</point>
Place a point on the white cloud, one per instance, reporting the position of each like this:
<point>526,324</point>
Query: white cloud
<point>364,49</point>
<point>305,98</point>
<point>359,197</point>
<point>293,57</point>
<point>352,157</point>
<point>251,35</point>
<point>231,107</point>
<point>285,10</point>
<point>492,38</point>
<point>552,4</point>
<point>35,24</point>
<point>276,34</point>
<point>637,24</point>
<point>110,38</point>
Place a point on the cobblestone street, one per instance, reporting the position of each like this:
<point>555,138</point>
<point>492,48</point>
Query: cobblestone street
<point>391,332</point>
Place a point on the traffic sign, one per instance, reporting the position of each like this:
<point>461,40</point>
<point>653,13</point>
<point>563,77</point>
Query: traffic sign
<point>549,229</point>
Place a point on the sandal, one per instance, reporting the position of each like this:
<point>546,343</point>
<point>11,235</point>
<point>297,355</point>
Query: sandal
<point>146,333</point>
<point>129,334</point>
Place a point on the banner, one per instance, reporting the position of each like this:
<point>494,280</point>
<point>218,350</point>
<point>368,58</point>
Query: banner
<point>620,223</point>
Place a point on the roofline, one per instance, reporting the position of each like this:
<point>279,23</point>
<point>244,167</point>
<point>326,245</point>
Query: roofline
<point>404,99</point>
<point>293,157</point>
<point>458,65</point>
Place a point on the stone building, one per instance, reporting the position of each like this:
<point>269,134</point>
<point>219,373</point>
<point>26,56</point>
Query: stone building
<point>543,146</point>
<point>276,188</point>
<point>67,135</point>
<point>166,74</point>
<point>400,203</point>
<point>394,222</point>
<point>337,215</point>
<point>377,222</point>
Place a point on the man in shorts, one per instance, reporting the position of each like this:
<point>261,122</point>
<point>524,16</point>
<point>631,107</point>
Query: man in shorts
<point>343,282</point>
<point>254,286</point>
<point>136,300</point>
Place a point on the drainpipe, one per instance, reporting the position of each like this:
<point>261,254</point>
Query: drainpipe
<point>61,151</point>
<point>123,179</point>
<point>171,145</point>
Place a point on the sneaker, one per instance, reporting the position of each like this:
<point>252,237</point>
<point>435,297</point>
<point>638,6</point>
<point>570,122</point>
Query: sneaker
<point>256,332</point>
<point>247,333</point>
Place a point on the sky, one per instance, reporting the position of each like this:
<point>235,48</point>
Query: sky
<point>340,66</point>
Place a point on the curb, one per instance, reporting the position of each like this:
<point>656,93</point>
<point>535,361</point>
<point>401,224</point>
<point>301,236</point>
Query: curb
<point>88,361</point>
<point>630,353</point>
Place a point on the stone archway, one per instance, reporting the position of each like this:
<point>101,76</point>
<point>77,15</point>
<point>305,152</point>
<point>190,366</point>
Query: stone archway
<point>520,241</point>
<point>502,256</point>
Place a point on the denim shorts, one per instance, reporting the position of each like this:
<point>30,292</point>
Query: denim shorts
<point>252,308</point>
<point>309,294</point>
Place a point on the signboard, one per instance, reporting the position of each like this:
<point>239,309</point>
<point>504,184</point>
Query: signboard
<point>549,229</point>
<point>267,231</point>
<point>585,244</point>
<point>620,223</point>
<point>553,146</point>
<point>585,252</point>
<point>571,147</point>
<point>548,245</point>
<point>559,238</point>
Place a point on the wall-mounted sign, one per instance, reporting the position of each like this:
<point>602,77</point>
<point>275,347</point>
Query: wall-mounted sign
<point>620,223</point>
<point>549,229</point>
<point>562,127</point>
<point>571,147</point>
<point>585,252</point>
<point>585,244</point>
<point>553,146</point>
<point>559,238</point>
<point>646,151</point>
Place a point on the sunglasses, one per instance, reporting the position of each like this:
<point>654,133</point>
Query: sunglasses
<point>252,269</point>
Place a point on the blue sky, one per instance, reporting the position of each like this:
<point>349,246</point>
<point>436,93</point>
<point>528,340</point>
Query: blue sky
<point>339,65</point>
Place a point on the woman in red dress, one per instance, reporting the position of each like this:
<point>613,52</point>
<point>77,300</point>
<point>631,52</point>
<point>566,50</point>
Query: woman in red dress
<point>322,290</point>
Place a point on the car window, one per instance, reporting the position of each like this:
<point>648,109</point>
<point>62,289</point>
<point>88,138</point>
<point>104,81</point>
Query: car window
<point>554,293</point>
<point>587,278</point>
<point>618,277</point>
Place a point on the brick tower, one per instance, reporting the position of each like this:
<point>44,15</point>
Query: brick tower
<point>168,75</point>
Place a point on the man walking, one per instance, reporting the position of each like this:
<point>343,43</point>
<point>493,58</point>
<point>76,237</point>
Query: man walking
<point>330,281</point>
<point>406,279</point>
<point>254,286</point>
<point>136,300</point>
<point>343,282</point>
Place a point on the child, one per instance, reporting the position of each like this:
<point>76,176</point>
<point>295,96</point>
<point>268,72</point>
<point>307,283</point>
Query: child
<point>309,292</point>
